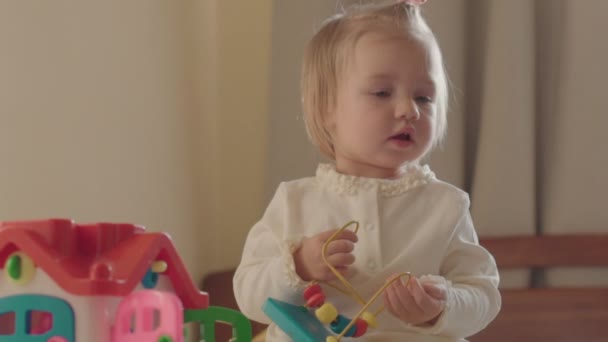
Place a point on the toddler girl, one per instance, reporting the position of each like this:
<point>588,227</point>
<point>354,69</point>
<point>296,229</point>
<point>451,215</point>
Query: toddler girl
<point>374,94</point>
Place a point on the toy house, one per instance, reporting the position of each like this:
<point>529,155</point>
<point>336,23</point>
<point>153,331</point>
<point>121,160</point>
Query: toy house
<point>67,282</point>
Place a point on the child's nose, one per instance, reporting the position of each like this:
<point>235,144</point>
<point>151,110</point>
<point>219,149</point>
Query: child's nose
<point>408,110</point>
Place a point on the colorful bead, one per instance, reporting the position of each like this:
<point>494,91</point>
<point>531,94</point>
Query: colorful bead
<point>13,267</point>
<point>340,323</point>
<point>312,290</point>
<point>370,319</point>
<point>316,300</point>
<point>326,313</point>
<point>361,327</point>
<point>150,279</point>
<point>19,268</point>
<point>159,266</point>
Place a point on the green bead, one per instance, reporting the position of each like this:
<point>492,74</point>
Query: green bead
<point>13,267</point>
<point>165,339</point>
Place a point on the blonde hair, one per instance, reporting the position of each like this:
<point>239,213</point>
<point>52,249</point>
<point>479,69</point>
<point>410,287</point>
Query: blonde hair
<point>326,55</point>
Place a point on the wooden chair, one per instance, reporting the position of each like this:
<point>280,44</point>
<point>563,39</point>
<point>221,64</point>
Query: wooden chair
<point>531,314</point>
<point>550,313</point>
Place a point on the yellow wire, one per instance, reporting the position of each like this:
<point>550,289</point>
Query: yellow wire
<point>374,297</point>
<point>350,289</point>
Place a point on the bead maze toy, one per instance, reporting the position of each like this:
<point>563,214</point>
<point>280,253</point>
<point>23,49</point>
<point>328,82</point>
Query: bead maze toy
<point>306,323</point>
<point>103,282</point>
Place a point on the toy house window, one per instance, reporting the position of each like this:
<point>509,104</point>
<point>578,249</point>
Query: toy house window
<point>39,322</point>
<point>128,326</point>
<point>151,321</point>
<point>7,323</point>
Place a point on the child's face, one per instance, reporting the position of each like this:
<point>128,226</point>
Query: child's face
<point>385,106</point>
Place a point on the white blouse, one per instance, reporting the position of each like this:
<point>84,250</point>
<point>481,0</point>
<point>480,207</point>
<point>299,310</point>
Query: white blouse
<point>414,224</point>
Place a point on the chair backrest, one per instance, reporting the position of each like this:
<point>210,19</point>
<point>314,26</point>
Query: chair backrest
<point>549,313</point>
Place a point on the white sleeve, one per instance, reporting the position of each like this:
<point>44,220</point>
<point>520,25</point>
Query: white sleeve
<point>471,279</point>
<point>267,267</point>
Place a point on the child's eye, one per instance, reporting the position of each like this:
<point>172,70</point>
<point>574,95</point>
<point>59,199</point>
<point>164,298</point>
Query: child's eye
<point>382,93</point>
<point>424,99</point>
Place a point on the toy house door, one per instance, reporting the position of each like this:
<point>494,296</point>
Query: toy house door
<point>36,318</point>
<point>149,315</point>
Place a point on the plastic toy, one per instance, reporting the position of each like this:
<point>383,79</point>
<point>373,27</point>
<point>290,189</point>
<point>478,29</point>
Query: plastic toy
<point>302,325</point>
<point>148,312</point>
<point>241,326</point>
<point>103,282</point>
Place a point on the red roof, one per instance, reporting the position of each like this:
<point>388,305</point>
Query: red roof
<point>98,259</point>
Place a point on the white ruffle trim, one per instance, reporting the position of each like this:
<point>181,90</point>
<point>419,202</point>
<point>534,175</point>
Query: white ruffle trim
<point>292,278</point>
<point>413,175</point>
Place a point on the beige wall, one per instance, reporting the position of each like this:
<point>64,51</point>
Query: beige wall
<point>149,112</point>
<point>94,115</point>
<point>233,130</point>
<point>290,154</point>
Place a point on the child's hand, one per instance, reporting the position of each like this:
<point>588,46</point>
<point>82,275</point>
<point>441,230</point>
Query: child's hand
<point>415,304</point>
<point>309,262</point>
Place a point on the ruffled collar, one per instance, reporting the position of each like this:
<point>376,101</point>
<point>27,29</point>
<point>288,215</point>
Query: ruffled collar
<point>413,176</point>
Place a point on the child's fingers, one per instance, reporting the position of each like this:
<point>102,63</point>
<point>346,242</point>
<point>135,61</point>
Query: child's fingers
<point>344,235</point>
<point>424,301</point>
<point>347,235</point>
<point>324,236</point>
<point>388,305</point>
<point>341,259</point>
<point>340,246</point>
<point>434,291</point>
<point>403,298</point>
<point>393,304</point>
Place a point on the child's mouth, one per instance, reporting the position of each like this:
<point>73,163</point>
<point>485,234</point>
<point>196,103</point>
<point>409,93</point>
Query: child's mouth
<point>402,137</point>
